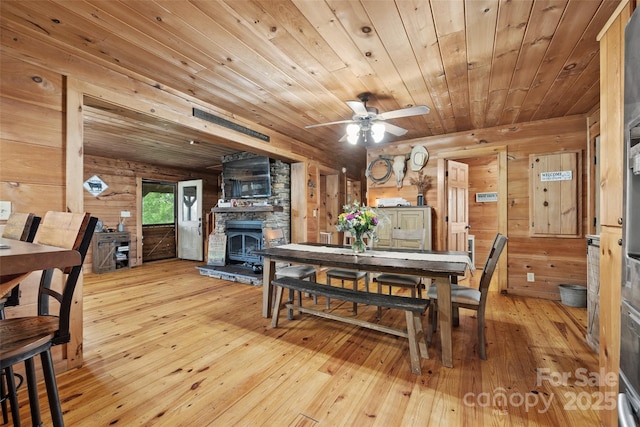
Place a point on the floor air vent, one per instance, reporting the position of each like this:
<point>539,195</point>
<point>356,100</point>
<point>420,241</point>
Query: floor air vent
<point>229,125</point>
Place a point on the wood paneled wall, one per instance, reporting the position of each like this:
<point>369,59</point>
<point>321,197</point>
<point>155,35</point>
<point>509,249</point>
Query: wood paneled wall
<point>483,216</point>
<point>552,260</point>
<point>122,178</point>
<point>32,170</point>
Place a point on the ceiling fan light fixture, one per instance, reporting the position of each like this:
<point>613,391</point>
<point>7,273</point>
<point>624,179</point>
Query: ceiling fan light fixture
<point>377,132</point>
<point>353,133</point>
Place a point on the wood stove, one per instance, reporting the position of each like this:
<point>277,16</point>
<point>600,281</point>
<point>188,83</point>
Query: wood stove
<point>244,237</point>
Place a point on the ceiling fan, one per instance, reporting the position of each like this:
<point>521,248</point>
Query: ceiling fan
<point>368,121</point>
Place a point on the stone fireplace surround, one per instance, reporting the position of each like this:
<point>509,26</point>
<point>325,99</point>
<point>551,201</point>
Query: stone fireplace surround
<point>280,195</point>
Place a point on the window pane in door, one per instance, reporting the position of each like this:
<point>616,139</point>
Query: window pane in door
<point>190,204</point>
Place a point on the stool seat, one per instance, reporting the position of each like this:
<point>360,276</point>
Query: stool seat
<point>24,334</point>
<point>296,271</point>
<point>337,273</point>
<point>399,280</point>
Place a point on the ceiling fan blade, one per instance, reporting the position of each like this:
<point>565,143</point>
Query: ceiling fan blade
<point>394,130</point>
<point>358,108</point>
<point>329,123</point>
<point>344,138</point>
<point>404,112</point>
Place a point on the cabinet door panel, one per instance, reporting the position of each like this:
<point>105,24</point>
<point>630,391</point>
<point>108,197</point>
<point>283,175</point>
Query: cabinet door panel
<point>405,218</point>
<point>388,221</point>
<point>409,220</point>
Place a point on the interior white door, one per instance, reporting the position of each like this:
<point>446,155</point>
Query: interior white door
<point>190,232</point>
<point>457,205</point>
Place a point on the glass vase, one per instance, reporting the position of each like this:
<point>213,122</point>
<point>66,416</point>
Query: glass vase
<point>358,244</point>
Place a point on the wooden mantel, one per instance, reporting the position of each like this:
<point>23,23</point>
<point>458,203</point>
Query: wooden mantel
<point>238,209</point>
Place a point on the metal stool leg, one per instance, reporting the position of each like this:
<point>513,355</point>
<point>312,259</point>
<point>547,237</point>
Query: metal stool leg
<point>32,388</point>
<point>52,388</point>
<point>4,397</point>
<point>12,394</point>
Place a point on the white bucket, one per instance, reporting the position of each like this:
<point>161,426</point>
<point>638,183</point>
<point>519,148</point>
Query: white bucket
<point>573,295</point>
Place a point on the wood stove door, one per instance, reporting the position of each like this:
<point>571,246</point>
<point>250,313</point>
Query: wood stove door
<point>190,231</point>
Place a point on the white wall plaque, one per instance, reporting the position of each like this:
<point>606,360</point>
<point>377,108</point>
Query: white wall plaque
<point>95,185</point>
<point>486,197</point>
<point>556,176</point>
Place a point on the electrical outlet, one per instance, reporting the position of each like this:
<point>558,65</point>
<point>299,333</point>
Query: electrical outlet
<point>531,277</point>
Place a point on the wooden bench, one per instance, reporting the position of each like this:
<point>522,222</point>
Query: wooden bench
<point>413,308</point>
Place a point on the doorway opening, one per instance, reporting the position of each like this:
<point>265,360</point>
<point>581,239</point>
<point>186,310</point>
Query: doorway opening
<point>158,220</point>
<point>494,160</point>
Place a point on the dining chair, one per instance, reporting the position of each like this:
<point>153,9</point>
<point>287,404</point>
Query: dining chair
<point>470,298</point>
<point>23,338</point>
<point>275,237</point>
<point>20,226</point>
<point>353,276</point>
<point>416,236</point>
<point>325,237</point>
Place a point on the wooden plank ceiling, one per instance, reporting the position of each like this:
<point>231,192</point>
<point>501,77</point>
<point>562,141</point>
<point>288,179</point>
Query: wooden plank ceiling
<point>285,64</point>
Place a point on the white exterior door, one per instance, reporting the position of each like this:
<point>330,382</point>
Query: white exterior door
<point>190,231</point>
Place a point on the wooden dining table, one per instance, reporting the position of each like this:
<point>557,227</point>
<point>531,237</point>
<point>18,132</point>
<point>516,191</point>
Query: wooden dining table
<point>443,266</point>
<point>18,259</point>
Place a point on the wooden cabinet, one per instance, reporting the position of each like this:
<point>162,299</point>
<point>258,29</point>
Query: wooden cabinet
<point>555,194</point>
<point>593,292</point>
<point>405,218</point>
<point>612,118</point>
<point>611,166</point>
<point>110,251</point>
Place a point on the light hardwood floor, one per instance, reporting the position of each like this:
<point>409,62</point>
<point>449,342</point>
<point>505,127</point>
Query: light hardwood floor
<point>165,346</point>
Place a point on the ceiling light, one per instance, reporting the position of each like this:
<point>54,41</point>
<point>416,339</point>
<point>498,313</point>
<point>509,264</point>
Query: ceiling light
<point>377,132</point>
<point>353,133</point>
<point>365,130</point>
<point>353,139</point>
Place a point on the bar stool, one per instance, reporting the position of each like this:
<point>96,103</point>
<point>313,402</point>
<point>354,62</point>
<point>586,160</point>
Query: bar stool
<point>19,226</point>
<point>353,276</point>
<point>24,338</point>
<point>275,237</point>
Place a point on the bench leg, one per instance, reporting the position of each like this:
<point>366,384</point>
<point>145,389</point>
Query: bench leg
<point>417,343</point>
<point>292,299</point>
<point>277,305</point>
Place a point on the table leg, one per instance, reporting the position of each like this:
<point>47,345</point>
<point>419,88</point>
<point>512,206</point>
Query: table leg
<point>268,274</point>
<point>443,286</point>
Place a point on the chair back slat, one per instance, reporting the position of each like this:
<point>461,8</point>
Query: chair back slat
<point>348,237</point>
<point>325,237</point>
<point>492,261</point>
<point>273,237</point>
<point>62,229</point>
<point>18,226</point>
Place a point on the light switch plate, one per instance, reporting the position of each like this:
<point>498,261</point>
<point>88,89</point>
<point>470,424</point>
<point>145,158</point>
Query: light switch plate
<point>5,210</point>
